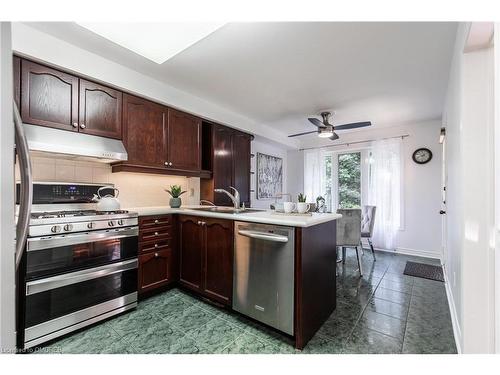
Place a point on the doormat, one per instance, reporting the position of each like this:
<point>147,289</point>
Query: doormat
<point>425,271</point>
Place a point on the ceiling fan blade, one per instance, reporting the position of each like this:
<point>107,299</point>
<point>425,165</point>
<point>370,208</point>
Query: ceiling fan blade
<point>316,122</point>
<point>296,135</point>
<point>353,125</point>
<point>334,137</point>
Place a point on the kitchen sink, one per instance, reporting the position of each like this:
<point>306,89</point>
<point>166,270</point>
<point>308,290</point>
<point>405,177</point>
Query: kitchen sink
<point>226,210</point>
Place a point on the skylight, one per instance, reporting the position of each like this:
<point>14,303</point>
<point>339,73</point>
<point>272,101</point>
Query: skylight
<point>157,42</point>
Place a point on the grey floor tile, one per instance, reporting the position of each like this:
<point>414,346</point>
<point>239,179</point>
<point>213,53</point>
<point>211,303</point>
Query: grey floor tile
<point>322,345</point>
<point>336,330</point>
<point>190,319</point>
<point>133,321</point>
<point>396,285</point>
<point>383,323</point>
<point>215,335</point>
<point>393,309</point>
<point>367,341</point>
<point>421,339</point>
<point>398,277</point>
<point>393,296</point>
<point>250,344</point>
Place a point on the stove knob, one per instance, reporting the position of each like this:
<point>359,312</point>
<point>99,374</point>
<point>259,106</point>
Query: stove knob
<point>111,223</point>
<point>120,222</point>
<point>68,227</point>
<point>90,225</point>
<point>55,229</point>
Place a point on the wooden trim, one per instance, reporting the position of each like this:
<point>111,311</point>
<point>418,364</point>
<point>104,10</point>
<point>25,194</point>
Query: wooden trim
<point>125,167</point>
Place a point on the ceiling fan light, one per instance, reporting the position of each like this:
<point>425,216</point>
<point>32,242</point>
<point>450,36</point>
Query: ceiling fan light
<point>325,132</point>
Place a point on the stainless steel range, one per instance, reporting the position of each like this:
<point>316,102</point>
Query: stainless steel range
<point>79,265</point>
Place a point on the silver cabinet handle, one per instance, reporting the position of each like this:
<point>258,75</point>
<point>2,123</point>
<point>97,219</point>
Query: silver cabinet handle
<point>75,124</point>
<point>156,233</point>
<point>166,163</point>
<point>156,255</point>
<point>26,196</point>
<point>156,245</point>
<point>263,236</point>
<point>82,126</point>
<point>170,163</point>
<point>58,281</point>
<point>156,221</point>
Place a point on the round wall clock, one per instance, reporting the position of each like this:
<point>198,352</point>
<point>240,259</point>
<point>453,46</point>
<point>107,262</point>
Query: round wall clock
<point>422,155</point>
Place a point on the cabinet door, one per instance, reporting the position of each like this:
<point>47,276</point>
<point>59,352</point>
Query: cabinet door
<point>48,97</point>
<point>100,110</point>
<point>16,61</point>
<point>155,269</point>
<point>190,250</point>
<point>184,141</point>
<point>143,130</point>
<point>222,163</point>
<point>218,260</point>
<point>241,165</point>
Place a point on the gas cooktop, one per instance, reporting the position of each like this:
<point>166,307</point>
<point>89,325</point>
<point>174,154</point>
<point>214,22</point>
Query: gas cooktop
<point>69,214</point>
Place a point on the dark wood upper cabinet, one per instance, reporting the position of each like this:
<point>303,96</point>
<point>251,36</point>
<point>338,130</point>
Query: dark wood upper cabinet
<point>218,260</point>
<point>143,132</point>
<point>49,97</point>
<point>100,110</point>
<point>241,165</point>
<point>190,252</point>
<point>183,141</point>
<point>230,162</point>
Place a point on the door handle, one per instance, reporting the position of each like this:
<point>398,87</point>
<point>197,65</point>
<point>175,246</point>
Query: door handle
<point>442,212</point>
<point>263,236</point>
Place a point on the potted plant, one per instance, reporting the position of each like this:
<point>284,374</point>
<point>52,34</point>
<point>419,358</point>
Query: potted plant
<point>175,192</point>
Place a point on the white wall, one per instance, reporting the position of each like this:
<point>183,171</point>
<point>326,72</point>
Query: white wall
<point>469,266</point>
<point>33,43</point>
<point>136,189</point>
<point>7,299</point>
<point>264,146</point>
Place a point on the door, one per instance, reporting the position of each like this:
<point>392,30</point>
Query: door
<point>443,204</point>
<point>241,166</point>
<point>191,250</point>
<point>222,163</point>
<point>48,97</point>
<point>100,110</point>
<point>155,269</point>
<point>184,141</point>
<point>143,132</point>
<point>218,260</point>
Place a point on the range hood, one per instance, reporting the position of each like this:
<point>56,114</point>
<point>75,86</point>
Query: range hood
<point>74,145</point>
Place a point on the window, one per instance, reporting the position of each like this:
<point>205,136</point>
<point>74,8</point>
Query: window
<point>349,180</point>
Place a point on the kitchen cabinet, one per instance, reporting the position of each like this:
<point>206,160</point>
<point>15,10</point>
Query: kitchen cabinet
<point>143,133</point>
<point>100,110</point>
<point>49,97</point>
<point>183,141</point>
<point>157,256</point>
<point>206,256</point>
<point>230,153</point>
<point>52,98</point>
<point>16,62</point>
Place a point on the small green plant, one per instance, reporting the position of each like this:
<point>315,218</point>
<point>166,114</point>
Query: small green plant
<point>301,198</point>
<point>175,191</point>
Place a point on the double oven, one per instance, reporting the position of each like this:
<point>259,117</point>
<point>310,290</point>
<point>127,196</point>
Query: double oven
<point>79,265</point>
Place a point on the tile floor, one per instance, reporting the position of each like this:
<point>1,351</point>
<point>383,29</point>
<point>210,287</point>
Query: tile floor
<point>382,312</point>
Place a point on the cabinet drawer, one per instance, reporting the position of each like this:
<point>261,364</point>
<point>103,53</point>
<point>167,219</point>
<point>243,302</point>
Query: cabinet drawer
<point>145,247</point>
<point>152,234</point>
<point>155,269</point>
<point>154,221</point>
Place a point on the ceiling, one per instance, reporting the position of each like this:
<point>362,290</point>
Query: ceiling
<point>280,73</point>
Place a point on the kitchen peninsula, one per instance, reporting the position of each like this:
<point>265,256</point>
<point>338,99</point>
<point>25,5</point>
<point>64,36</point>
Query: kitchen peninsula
<point>196,248</point>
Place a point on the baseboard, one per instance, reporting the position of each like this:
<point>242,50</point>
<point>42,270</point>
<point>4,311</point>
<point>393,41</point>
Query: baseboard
<point>457,333</point>
<point>414,252</point>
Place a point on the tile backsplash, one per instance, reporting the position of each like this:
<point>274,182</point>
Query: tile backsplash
<point>136,189</point>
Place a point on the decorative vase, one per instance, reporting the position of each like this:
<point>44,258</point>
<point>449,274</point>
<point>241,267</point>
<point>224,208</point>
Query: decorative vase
<point>175,202</point>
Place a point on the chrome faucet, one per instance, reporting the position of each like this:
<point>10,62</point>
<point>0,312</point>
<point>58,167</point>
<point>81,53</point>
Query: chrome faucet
<point>234,198</point>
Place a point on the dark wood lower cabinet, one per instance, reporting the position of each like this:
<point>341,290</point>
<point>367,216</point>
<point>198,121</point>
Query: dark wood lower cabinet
<point>206,257</point>
<point>155,269</point>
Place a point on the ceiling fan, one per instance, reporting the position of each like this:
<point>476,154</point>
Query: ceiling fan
<point>327,130</point>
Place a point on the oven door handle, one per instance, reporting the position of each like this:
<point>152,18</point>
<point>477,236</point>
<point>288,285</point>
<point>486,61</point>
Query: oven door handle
<point>40,243</point>
<point>58,281</point>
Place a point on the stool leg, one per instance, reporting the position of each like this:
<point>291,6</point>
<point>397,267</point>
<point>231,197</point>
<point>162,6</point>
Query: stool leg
<point>359,262</point>
<point>371,246</point>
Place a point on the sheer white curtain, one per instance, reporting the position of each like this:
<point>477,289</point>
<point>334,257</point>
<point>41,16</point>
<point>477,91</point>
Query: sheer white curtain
<point>313,174</point>
<point>385,191</point>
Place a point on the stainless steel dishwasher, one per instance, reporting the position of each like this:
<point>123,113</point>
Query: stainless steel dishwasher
<point>263,276</point>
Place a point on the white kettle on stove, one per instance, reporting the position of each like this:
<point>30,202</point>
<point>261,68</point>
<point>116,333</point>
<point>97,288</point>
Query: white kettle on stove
<point>107,202</point>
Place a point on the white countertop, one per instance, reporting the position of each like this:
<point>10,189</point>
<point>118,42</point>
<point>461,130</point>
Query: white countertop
<point>264,217</point>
